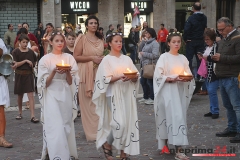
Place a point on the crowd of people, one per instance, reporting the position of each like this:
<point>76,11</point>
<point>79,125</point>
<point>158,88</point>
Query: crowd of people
<point>107,96</point>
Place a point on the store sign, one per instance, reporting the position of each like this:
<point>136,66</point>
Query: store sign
<point>143,5</point>
<point>75,6</point>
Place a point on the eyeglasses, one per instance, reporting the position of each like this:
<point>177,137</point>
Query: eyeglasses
<point>221,30</point>
<point>114,33</point>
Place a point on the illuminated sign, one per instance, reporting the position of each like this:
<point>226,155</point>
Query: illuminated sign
<point>143,5</point>
<point>79,6</point>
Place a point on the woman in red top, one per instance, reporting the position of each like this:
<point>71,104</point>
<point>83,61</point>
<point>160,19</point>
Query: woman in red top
<point>30,35</point>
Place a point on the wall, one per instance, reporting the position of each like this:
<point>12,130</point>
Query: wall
<point>164,12</point>
<point>236,19</point>
<point>15,12</point>
<point>209,9</point>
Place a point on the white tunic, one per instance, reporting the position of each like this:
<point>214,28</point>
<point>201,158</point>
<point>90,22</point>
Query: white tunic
<point>122,118</point>
<point>59,109</point>
<point>4,92</point>
<point>171,100</point>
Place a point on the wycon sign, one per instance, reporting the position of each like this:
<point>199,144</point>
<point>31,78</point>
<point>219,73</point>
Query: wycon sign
<point>79,6</point>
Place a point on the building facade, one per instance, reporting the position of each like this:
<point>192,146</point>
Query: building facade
<point>19,11</point>
<point>172,13</point>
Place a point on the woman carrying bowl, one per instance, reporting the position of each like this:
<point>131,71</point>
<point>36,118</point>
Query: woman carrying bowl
<point>115,99</point>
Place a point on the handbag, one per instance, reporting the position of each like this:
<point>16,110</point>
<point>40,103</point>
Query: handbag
<point>202,70</point>
<point>148,70</point>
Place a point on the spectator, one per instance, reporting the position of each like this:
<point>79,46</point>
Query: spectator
<point>100,30</point>
<point>38,32</point>
<point>193,33</point>
<point>78,28</point>
<point>30,35</point>
<point>149,54</point>
<point>132,45</point>
<point>211,81</point>
<point>68,29</point>
<point>19,26</point>
<point>120,30</point>
<point>227,70</point>
<point>9,37</point>
<point>46,37</point>
<point>111,28</point>
<point>162,37</point>
<point>238,28</point>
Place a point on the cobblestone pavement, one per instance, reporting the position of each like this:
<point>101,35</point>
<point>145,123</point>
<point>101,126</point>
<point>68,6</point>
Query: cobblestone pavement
<point>27,137</point>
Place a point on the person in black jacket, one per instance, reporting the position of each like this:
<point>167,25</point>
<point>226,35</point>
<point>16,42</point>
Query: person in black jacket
<point>132,44</point>
<point>193,33</point>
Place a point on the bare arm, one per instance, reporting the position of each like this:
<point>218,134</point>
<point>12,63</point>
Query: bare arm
<point>50,77</point>
<point>77,54</point>
<point>1,52</point>
<point>69,77</point>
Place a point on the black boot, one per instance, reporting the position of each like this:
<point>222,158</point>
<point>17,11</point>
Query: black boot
<point>226,133</point>
<point>235,139</point>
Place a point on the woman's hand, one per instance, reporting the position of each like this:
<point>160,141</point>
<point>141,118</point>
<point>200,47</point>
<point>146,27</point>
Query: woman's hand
<point>30,63</point>
<point>171,80</point>
<point>97,59</point>
<point>62,71</point>
<point>134,79</point>
<point>124,78</point>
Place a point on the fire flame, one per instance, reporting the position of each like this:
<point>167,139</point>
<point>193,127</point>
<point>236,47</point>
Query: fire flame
<point>62,63</point>
<point>185,73</point>
<point>129,70</point>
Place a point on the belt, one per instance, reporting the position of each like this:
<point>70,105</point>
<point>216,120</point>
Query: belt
<point>23,72</point>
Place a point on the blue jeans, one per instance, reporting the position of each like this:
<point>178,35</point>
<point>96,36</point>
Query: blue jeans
<point>212,88</point>
<point>150,84</point>
<point>204,86</point>
<point>231,100</point>
<point>145,86</point>
<point>192,48</point>
<point>133,54</point>
<point>124,49</point>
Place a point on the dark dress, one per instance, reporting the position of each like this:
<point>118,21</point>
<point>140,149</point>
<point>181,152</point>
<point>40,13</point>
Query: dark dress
<point>24,83</point>
<point>66,50</point>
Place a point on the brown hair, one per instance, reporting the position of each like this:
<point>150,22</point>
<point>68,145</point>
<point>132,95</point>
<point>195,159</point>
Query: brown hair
<point>54,33</point>
<point>110,38</point>
<point>171,35</point>
<point>100,36</point>
<point>72,34</point>
<point>210,33</point>
<point>22,37</point>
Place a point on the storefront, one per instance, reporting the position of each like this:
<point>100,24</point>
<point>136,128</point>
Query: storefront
<point>145,7</point>
<point>76,12</point>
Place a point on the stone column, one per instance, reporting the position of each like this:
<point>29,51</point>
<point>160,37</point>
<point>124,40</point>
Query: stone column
<point>110,12</point>
<point>164,12</point>
<point>209,9</point>
<point>236,14</point>
<point>48,12</point>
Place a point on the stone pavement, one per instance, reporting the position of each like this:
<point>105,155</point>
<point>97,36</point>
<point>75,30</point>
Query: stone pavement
<point>27,137</point>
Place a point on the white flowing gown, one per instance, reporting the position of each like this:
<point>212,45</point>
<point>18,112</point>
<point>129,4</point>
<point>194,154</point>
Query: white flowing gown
<point>171,100</point>
<point>4,93</point>
<point>59,108</point>
<point>122,118</point>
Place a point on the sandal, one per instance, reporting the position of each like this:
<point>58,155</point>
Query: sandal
<point>4,143</point>
<point>181,156</point>
<point>126,158</point>
<point>107,152</point>
<point>79,114</point>
<point>19,117</point>
<point>33,120</point>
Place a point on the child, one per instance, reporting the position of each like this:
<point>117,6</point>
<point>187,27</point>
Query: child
<point>172,97</point>
<point>57,93</point>
<point>70,40</point>
<point>115,99</point>
<point>24,62</point>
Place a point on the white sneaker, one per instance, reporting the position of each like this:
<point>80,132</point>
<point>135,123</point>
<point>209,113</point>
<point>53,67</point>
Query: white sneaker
<point>149,101</point>
<point>142,100</point>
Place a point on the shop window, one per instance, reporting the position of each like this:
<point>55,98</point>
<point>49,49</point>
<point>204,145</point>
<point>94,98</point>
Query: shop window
<point>225,8</point>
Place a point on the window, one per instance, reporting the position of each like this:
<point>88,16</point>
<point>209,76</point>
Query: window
<point>225,8</point>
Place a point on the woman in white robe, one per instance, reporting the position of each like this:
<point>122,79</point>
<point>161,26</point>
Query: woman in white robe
<point>57,91</point>
<point>115,99</point>
<point>172,97</point>
<point>4,101</point>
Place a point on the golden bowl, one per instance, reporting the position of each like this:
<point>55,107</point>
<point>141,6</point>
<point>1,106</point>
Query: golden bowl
<point>130,75</point>
<point>186,77</point>
<point>61,67</point>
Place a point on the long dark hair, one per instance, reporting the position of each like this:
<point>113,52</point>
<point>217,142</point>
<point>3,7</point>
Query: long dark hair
<point>100,36</point>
